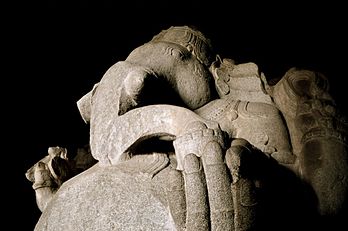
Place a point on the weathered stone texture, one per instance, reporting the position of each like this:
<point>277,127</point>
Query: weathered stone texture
<point>106,198</point>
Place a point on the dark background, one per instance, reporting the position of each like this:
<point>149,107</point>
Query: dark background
<point>56,50</point>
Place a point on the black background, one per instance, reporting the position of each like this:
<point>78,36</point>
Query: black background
<point>56,50</point>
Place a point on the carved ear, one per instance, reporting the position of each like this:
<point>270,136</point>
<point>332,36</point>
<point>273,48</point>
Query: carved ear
<point>61,169</point>
<point>84,104</point>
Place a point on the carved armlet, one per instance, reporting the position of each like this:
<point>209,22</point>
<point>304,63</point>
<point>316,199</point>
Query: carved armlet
<point>43,184</point>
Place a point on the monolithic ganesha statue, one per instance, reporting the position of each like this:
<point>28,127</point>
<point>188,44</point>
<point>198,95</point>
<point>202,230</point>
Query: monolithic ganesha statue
<point>186,140</point>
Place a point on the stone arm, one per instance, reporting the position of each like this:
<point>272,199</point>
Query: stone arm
<point>318,135</point>
<point>48,174</point>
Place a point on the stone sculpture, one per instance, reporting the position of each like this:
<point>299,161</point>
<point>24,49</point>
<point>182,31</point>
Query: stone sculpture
<point>186,140</point>
<point>48,174</point>
<point>318,135</point>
